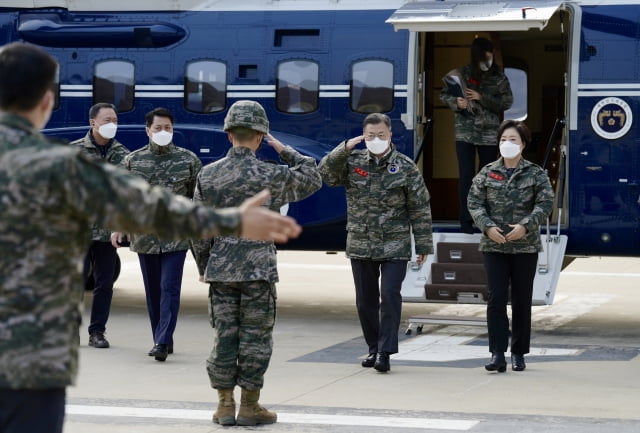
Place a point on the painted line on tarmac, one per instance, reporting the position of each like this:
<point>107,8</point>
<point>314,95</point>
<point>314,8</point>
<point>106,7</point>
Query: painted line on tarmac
<point>289,418</point>
<point>601,274</point>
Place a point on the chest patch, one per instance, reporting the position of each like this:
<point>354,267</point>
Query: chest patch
<point>496,176</point>
<point>393,168</point>
<point>361,172</point>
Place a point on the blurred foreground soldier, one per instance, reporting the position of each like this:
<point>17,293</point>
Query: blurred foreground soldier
<point>100,262</point>
<point>386,201</point>
<point>49,197</point>
<point>242,273</point>
<point>162,163</point>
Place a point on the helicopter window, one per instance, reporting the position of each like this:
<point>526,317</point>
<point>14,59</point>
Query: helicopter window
<point>113,81</point>
<point>371,86</point>
<point>518,82</point>
<point>205,86</point>
<point>297,87</point>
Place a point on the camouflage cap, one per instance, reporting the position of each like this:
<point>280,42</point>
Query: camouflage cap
<point>247,114</point>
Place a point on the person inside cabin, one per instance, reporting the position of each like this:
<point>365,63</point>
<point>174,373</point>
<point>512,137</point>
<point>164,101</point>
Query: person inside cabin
<point>509,199</point>
<point>387,201</point>
<point>477,116</point>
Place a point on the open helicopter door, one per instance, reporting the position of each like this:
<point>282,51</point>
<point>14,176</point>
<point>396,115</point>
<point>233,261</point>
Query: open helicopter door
<point>455,273</point>
<point>438,16</point>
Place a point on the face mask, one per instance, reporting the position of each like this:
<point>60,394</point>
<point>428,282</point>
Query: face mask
<point>162,138</point>
<point>484,66</point>
<point>108,130</point>
<point>509,150</point>
<point>377,146</point>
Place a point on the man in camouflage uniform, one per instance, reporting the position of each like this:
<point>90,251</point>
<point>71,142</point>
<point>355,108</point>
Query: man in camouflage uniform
<point>100,263</point>
<point>242,273</point>
<point>162,163</point>
<point>509,200</point>
<point>50,195</point>
<point>386,200</point>
<point>477,116</point>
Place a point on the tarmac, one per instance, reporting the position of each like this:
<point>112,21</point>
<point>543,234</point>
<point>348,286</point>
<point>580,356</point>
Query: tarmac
<point>583,373</point>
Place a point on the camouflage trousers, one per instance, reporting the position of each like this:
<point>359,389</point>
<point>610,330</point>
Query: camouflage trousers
<point>243,315</point>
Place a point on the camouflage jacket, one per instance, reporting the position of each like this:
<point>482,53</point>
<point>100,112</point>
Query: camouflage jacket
<point>385,201</point>
<point>49,196</point>
<point>498,200</point>
<point>115,154</point>
<point>231,180</point>
<point>481,124</point>
<point>171,167</point>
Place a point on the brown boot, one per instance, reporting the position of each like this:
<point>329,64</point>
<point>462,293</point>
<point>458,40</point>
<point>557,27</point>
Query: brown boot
<point>251,413</point>
<point>226,412</point>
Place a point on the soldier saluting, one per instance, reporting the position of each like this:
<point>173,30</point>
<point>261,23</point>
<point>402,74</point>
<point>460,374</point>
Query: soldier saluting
<point>242,273</point>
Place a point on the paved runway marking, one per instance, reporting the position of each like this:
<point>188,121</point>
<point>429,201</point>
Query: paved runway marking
<point>565,309</point>
<point>601,274</point>
<point>446,348</point>
<point>290,418</point>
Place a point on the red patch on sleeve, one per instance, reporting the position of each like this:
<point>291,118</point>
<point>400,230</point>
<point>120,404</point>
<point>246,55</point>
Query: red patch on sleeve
<point>361,172</point>
<point>496,176</point>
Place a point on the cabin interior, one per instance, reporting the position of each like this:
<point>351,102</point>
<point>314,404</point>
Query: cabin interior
<point>536,62</point>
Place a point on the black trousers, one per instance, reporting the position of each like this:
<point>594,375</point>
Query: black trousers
<point>379,301</point>
<point>103,257</point>
<point>466,153</point>
<point>26,411</point>
<point>515,271</point>
<point>162,277</point>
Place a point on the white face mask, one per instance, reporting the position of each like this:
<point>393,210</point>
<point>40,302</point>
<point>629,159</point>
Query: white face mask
<point>484,66</point>
<point>108,130</point>
<point>509,150</point>
<point>162,138</point>
<point>377,146</point>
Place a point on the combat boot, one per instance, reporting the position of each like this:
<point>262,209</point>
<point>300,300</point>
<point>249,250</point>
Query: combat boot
<point>251,413</point>
<point>226,412</point>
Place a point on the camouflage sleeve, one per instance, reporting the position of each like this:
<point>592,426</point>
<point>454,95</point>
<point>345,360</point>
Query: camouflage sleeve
<point>502,97</point>
<point>419,209</point>
<point>333,167</point>
<point>301,178</point>
<point>200,248</point>
<point>196,166</point>
<point>543,203</point>
<point>125,202</point>
<point>476,202</point>
<point>450,100</point>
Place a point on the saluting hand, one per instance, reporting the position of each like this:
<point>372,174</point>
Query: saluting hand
<point>353,142</point>
<point>274,142</point>
<point>262,224</point>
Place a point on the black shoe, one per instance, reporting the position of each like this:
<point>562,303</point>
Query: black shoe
<point>497,363</point>
<point>382,362</point>
<point>97,340</point>
<point>160,352</point>
<point>369,361</point>
<point>517,362</point>
<point>169,350</point>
